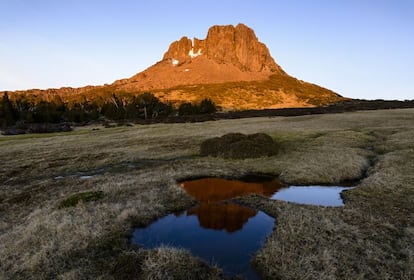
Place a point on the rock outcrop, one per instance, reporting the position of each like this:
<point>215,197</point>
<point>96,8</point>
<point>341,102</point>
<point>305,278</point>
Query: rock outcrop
<point>228,54</point>
<point>237,46</point>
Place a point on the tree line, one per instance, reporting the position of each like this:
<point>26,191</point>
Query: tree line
<point>23,109</point>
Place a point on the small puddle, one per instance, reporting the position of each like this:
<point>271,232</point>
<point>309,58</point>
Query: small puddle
<point>312,195</point>
<point>224,233</point>
<point>86,177</point>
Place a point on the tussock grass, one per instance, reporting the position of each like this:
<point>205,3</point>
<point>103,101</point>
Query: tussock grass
<point>312,242</point>
<point>74,199</point>
<point>371,237</point>
<point>173,263</point>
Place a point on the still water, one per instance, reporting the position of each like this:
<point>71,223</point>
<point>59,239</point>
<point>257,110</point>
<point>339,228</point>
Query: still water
<point>230,248</point>
<point>313,195</point>
<point>224,233</point>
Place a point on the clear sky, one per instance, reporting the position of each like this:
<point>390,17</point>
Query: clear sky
<point>358,48</point>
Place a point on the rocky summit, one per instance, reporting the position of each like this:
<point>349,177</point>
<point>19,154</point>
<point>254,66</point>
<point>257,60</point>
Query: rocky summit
<point>230,66</point>
<point>237,46</point>
<point>228,54</point>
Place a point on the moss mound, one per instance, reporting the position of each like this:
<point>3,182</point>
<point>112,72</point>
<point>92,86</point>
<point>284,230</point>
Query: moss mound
<point>239,146</point>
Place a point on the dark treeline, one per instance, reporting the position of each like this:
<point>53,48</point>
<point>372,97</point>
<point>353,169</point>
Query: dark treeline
<point>23,109</point>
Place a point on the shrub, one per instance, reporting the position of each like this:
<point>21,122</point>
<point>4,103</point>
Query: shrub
<point>187,109</point>
<point>207,106</point>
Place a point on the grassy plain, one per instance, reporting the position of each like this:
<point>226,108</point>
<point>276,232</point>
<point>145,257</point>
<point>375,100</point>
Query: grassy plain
<point>134,172</point>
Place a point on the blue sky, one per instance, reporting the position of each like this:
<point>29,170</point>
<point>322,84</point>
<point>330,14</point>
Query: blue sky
<point>358,48</point>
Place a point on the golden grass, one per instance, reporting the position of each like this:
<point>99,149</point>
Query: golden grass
<point>136,169</point>
<point>279,91</point>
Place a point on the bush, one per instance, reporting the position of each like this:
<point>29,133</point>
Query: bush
<point>206,106</point>
<point>187,109</point>
<point>239,146</point>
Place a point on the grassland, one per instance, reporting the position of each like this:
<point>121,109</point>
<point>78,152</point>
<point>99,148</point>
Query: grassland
<point>134,172</point>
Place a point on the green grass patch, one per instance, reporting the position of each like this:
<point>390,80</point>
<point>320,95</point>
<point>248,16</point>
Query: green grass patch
<point>74,199</point>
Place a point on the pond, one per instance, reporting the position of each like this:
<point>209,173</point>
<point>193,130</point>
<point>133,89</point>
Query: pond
<point>222,232</point>
<point>223,244</point>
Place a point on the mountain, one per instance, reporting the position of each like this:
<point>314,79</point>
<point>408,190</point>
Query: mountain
<point>230,66</point>
<point>228,54</point>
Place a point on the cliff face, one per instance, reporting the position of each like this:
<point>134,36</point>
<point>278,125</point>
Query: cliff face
<point>237,46</point>
<point>228,54</point>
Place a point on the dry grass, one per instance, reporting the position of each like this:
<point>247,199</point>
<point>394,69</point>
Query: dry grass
<point>172,263</point>
<point>136,169</point>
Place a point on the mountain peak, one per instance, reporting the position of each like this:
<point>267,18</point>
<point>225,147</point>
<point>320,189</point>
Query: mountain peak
<point>225,44</point>
<point>231,67</point>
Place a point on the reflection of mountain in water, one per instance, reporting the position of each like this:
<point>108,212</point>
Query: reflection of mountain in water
<point>217,189</point>
<point>219,215</point>
<point>213,213</point>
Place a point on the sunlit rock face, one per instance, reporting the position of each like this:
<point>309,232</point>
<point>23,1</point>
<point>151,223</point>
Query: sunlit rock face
<point>226,44</point>
<point>179,50</point>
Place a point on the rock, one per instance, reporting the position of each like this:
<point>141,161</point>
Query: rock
<point>226,44</point>
<point>239,146</point>
<point>179,50</point>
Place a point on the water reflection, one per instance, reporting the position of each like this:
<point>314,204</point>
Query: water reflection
<point>230,251</point>
<point>213,213</point>
<point>223,232</point>
<point>218,189</point>
<point>228,216</point>
<point>216,230</point>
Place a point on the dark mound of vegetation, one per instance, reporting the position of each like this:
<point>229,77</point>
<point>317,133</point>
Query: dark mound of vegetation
<point>239,146</point>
